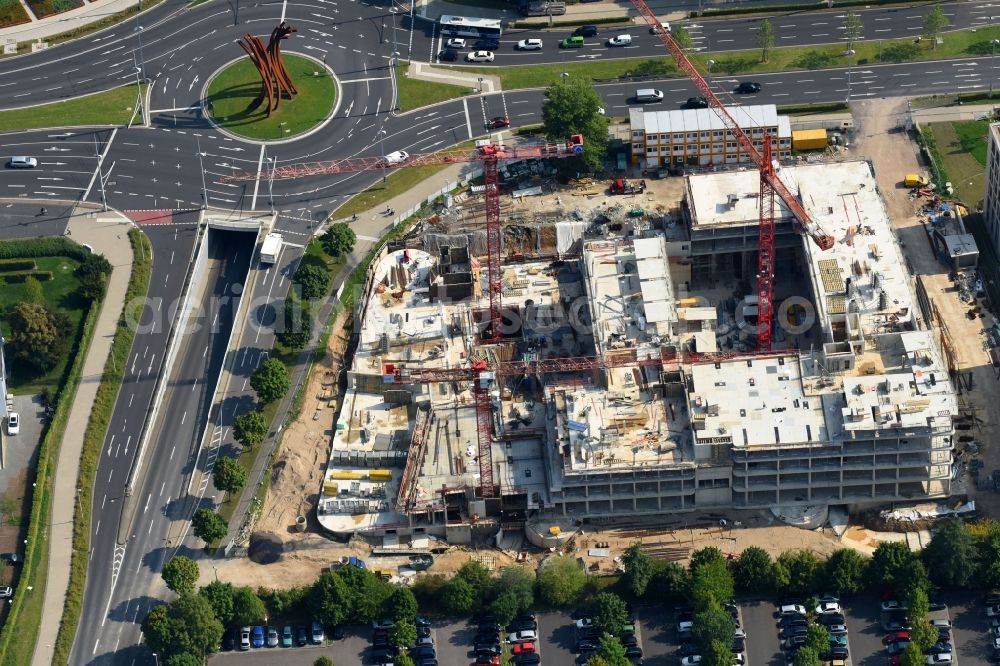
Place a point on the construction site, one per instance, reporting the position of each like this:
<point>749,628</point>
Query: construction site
<point>614,353</point>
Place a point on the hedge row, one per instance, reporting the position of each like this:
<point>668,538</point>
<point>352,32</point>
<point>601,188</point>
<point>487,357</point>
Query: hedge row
<point>52,246</point>
<point>21,278</point>
<point>534,24</point>
<point>794,7</point>
<point>104,402</point>
<point>16,265</point>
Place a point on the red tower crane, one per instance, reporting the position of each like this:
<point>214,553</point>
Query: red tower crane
<point>490,155</point>
<point>770,183</point>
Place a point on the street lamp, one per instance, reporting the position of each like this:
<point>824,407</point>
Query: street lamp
<point>142,58</point>
<point>392,10</point>
<point>381,139</point>
<point>157,658</point>
<point>480,85</point>
<point>993,54</point>
<point>710,63</point>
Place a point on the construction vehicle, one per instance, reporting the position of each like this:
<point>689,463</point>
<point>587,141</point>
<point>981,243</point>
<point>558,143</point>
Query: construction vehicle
<point>271,248</point>
<point>623,186</point>
<point>915,180</point>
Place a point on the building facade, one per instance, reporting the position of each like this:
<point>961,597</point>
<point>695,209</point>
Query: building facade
<point>991,197</point>
<point>698,137</point>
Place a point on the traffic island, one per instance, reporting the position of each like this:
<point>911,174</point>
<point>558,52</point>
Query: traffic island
<point>230,94</point>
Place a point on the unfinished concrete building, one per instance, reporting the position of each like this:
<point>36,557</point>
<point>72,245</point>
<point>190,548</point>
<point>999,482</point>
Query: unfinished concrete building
<point>623,385</point>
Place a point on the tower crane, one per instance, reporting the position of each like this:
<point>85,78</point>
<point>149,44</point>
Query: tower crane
<point>490,156</point>
<point>770,183</point>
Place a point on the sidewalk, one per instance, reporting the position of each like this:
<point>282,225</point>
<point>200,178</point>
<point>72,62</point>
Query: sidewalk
<point>423,72</point>
<point>108,235</point>
<point>60,23</point>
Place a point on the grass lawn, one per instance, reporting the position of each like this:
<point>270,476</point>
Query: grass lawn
<point>112,107</point>
<point>43,8</point>
<point>972,136</point>
<point>233,89</point>
<point>414,94</point>
<point>60,294</point>
<point>966,173</point>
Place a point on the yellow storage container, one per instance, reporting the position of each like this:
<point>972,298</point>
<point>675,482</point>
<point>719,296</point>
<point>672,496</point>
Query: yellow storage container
<point>380,475</point>
<point>347,475</point>
<point>813,139</point>
<point>330,489</point>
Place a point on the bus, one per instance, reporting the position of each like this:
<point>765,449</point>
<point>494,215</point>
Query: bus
<point>467,26</point>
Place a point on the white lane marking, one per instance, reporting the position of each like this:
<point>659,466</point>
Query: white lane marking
<point>256,182</point>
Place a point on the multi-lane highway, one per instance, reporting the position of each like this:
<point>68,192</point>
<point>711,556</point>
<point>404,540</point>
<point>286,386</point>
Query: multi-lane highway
<point>160,167</point>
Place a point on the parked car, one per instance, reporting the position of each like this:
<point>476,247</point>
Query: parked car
<point>748,88</point>
<point>529,45</point>
<point>897,647</point>
<point>245,638</point>
<point>828,607</point>
<point>791,620</point>
<point>838,640</point>
<point>693,660</point>
<point>316,634</point>
<point>522,636</point>
<point>526,659</point>
<point>301,637</point>
<point>792,609</point>
<point>585,645</point>
<point>480,56</point>
<point>836,629</point>
<point>940,658</point>
<point>455,43</point>
<point>895,636</point>
<point>891,605</point>
<point>830,618</point>
<point>584,623</point>
<point>286,636</point>
<point>13,423</point>
<point>523,648</point>
<point>272,637</point>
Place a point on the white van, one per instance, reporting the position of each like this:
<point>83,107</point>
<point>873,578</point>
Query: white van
<point>620,40</point>
<point>648,95</point>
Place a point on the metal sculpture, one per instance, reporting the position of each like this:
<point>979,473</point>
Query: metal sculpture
<point>275,79</point>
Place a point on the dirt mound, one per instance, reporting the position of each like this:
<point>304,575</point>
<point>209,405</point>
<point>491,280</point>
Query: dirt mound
<point>265,548</point>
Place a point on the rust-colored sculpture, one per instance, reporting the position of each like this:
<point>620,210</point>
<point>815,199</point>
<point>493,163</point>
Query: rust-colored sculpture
<point>275,80</point>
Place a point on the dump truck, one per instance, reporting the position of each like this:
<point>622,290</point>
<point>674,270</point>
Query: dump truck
<point>271,248</point>
<point>622,186</point>
<point>915,180</point>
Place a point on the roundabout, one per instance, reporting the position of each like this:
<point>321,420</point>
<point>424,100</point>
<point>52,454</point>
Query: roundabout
<point>231,91</point>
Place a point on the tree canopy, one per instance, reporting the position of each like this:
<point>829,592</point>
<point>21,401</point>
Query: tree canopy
<point>314,278</point>
<point>765,39</point>
<point>795,571</point>
<point>713,624</point>
<point>180,574</point>
<point>934,22</point>
<point>228,476</point>
<point>951,555</point>
<point>609,613</point>
<point>338,240</point>
<point>561,581</point>
<point>296,323</point>
<point>208,525</point>
<point>572,106</point>
<point>753,572</point>
<point>37,336</point>
<point>270,380</point>
<point>220,597</point>
<point>92,275</point>
<point>639,569</point>
<point>845,571</point>
<point>186,625</point>
<point>250,428</point>
<point>247,606</point>
<point>458,597</point>
<point>329,599</point>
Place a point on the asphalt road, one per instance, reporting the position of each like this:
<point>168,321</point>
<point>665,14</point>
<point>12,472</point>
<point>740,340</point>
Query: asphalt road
<point>118,584</point>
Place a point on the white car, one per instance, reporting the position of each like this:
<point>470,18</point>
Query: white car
<point>992,611</point>
<point>739,633</point>
<point>836,629</point>
<point>892,605</point>
<point>828,607</point>
<point>13,423</point>
<point>526,636</point>
<point>455,43</point>
<point>739,659</point>
<point>529,45</point>
<point>480,56</point>
<point>684,626</point>
<point>936,659</point>
<point>6,592</point>
<point>22,162</point>
<point>941,624</point>
<point>792,609</point>
<point>655,31</point>
<point>584,623</point>
<point>392,159</point>
<point>996,642</point>
<point>692,660</point>
<point>620,40</point>
<point>245,638</point>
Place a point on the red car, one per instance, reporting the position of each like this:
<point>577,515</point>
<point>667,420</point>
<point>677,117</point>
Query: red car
<point>498,123</point>
<point>492,661</point>
<point>523,648</point>
<point>896,636</point>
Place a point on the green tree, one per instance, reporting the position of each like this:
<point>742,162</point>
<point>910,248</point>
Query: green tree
<point>561,581</point>
<point>504,607</point>
<point>338,240</point>
<point>228,476</point>
<point>817,638</point>
<point>709,555</point>
<point>33,292</point>
<point>796,571</point>
<point>806,656</point>
<point>681,36</point>
<point>458,597</point>
<point>323,661</point>
<point>639,569</point>
<point>950,557</point>
<point>247,606</point>
<point>220,597</point>
<point>844,572</point>
<point>296,324</point>
<point>208,525</point>
<point>923,633</point>
<point>314,278</point>
<point>180,574</point>
<point>92,275</point>
<point>572,106</point>
<point>609,613</point>
<point>519,582</point>
<point>187,624</point>
<point>718,654</point>
<point>711,581</point>
<point>753,572</point>
<point>912,656</point>
<point>404,660</point>
<point>611,650</point>
<point>403,634</point>
<point>765,39</point>
<point>934,22</point>
<point>670,581</point>
<point>270,380</point>
<point>401,605</point>
<point>329,599</point>
<point>37,336</point>
<point>892,563</point>
<point>988,556</point>
<point>183,659</point>
<point>713,624</point>
<point>368,593</point>
<point>479,577</point>
<point>853,27</point>
<point>250,428</point>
